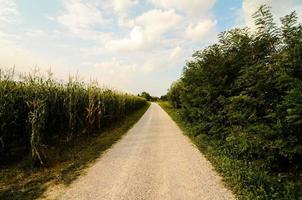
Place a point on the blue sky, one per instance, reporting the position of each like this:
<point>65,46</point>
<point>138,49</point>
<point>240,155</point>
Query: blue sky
<point>129,45</point>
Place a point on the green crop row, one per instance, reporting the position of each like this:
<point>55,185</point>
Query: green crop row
<point>36,110</point>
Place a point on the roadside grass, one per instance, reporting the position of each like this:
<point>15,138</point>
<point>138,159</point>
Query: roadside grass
<point>246,179</point>
<point>67,161</point>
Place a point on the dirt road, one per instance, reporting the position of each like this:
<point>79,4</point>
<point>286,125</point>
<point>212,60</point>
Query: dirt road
<point>154,160</point>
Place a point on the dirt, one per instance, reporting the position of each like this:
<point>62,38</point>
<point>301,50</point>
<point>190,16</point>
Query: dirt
<point>154,160</point>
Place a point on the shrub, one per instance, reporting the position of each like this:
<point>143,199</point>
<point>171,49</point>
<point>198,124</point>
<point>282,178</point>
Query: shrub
<point>244,95</point>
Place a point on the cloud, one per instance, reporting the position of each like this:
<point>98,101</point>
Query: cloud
<point>279,8</point>
<point>8,10</point>
<point>122,6</point>
<point>134,42</point>
<point>205,29</point>
<point>128,44</point>
<point>162,60</point>
<point>116,73</point>
<point>148,28</point>
<point>121,9</point>
<point>195,7</point>
<point>79,16</point>
<point>157,22</point>
<point>197,18</point>
<point>175,53</point>
<point>35,33</point>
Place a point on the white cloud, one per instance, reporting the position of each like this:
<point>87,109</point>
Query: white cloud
<point>122,6</point>
<point>8,10</point>
<point>157,22</point>
<point>115,72</point>
<point>175,53</point>
<point>198,20</point>
<point>148,29</point>
<point>162,59</point>
<point>280,8</point>
<point>35,33</point>
<point>79,16</point>
<point>200,31</point>
<point>128,44</point>
<point>126,22</point>
<point>196,7</point>
<point>134,42</point>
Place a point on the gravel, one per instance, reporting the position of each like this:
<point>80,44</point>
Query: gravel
<point>154,160</point>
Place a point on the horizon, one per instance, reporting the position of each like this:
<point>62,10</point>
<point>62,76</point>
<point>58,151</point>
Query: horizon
<point>130,45</point>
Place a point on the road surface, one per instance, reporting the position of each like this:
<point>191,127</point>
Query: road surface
<point>154,160</point>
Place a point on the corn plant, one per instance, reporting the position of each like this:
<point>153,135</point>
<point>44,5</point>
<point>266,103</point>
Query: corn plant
<point>37,121</point>
<point>35,110</point>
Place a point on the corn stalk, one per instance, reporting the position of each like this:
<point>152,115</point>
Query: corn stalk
<point>37,120</point>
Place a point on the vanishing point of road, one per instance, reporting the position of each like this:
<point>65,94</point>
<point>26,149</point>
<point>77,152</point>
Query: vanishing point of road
<point>154,160</point>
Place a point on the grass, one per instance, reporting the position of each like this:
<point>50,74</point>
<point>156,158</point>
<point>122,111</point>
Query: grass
<point>20,181</point>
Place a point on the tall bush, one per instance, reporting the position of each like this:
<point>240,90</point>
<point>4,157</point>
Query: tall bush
<point>244,96</point>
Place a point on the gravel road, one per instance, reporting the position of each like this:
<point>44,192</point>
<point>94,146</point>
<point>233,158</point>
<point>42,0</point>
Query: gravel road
<point>154,160</point>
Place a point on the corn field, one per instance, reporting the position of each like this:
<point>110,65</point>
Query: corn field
<point>35,110</point>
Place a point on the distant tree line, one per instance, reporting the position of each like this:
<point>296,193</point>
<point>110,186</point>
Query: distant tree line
<point>148,97</point>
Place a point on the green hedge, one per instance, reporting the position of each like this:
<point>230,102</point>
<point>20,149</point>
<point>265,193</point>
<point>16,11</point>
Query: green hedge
<point>243,97</point>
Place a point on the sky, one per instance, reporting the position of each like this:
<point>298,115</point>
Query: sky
<point>128,45</point>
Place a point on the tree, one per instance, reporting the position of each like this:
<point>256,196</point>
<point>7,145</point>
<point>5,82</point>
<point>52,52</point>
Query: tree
<point>245,91</point>
<point>174,94</point>
<point>146,95</point>
<point>164,98</point>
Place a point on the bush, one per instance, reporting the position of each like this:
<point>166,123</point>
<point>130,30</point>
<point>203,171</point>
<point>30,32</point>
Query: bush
<point>244,95</point>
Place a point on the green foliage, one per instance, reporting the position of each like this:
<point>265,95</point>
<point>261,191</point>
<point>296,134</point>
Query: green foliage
<point>173,94</point>
<point>65,162</point>
<point>37,119</point>
<point>146,95</point>
<point>164,98</point>
<point>36,111</point>
<point>243,97</point>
